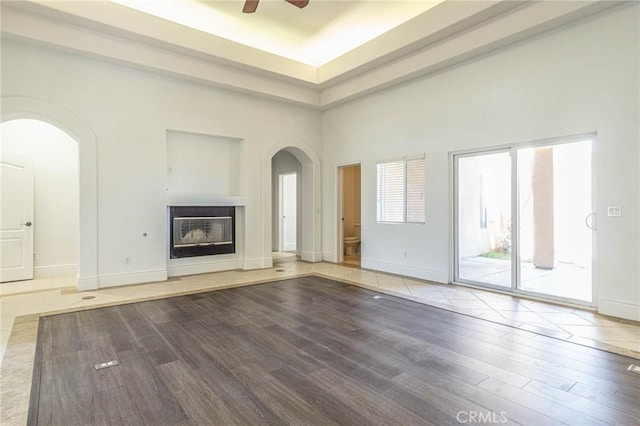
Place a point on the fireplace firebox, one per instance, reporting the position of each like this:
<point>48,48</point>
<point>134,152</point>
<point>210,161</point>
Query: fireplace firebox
<point>201,231</point>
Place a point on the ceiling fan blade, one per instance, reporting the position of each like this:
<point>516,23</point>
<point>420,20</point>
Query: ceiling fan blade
<point>250,6</point>
<point>299,3</point>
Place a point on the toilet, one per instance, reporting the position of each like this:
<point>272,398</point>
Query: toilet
<point>352,244</point>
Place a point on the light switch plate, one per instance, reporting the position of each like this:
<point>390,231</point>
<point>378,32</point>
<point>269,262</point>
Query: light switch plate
<point>615,211</point>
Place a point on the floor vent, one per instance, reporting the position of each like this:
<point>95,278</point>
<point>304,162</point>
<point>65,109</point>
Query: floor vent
<point>88,297</point>
<point>634,368</point>
<point>279,270</point>
<point>107,364</point>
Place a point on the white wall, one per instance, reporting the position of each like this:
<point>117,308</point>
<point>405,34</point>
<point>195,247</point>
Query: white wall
<point>582,78</point>
<point>53,155</point>
<point>130,112</point>
<point>285,162</point>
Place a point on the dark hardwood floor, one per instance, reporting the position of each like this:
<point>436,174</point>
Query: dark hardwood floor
<point>313,351</point>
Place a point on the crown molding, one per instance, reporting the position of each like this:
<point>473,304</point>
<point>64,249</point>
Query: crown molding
<point>446,35</point>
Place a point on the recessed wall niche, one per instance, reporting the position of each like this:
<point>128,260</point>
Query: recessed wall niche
<point>200,164</point>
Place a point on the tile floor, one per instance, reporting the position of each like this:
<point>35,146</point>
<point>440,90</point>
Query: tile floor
<point>353,260</point>
<point>21,304</point>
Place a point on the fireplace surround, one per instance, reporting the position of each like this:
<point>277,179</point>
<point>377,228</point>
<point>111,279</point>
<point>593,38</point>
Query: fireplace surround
<point>201,231</point>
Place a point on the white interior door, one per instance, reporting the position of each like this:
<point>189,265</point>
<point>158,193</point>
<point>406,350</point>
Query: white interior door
<point>16,222</point>
<point>289,211</point>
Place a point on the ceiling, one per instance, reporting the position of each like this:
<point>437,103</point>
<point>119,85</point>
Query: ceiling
<point>315,35</point>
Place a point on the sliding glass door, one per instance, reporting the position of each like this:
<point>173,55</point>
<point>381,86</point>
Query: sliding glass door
<point>523,219</point>
<point>555,240</point>
<point>484,218</point>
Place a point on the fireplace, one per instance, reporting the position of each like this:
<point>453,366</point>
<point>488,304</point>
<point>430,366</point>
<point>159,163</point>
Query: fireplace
<point>201,231</point>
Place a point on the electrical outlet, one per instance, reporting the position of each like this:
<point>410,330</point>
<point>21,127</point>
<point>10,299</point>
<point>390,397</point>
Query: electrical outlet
<point>405,254</point>
<point>614,211</point>
<point>127,260</point>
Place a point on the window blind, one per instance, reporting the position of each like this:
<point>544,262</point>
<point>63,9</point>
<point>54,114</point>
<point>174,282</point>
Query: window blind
<point>415,190</point>
<point>400,191</point>
<point>391,192</point>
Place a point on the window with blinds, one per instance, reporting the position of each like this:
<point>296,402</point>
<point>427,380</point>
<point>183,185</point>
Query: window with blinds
<point>400,191</point>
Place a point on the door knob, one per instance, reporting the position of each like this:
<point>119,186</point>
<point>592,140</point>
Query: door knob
<point>27,224</point>
<point>591,225</point>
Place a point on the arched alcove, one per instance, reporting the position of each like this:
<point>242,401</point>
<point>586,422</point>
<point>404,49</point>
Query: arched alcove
<point>18,107</point>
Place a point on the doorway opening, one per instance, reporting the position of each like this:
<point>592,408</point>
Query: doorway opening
<point>288,184</point>
<point>524,219</point>
<point>39,222</point>
<point>287,207</point>
<point>350,215</point>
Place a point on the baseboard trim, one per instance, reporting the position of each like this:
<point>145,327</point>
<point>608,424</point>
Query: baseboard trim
<point>203,267</point>
<point>87,283</point>
<point>329,257</point>
<point>55,270</point>
<point>264,263</point>
<point>619,309</point>
<point>115,280</point>
<point>309,256</point>
<point>405,270</point>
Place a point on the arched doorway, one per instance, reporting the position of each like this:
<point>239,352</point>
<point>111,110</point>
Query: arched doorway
<point>39,209</point>
<point>18,107</point>
<point>309,246</point>
<point>286,202</point>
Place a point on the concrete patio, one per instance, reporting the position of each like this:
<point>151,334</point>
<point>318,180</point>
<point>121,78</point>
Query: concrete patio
<point>566,280</point>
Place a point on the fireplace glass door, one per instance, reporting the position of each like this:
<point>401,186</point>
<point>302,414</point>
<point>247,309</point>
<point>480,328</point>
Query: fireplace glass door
<point>202,231</point>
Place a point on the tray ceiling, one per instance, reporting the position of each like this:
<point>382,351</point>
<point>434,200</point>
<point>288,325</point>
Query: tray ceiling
<point>315,35</point>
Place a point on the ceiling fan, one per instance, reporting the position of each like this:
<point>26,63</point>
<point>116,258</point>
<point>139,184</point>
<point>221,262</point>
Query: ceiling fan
<point>250,6</point>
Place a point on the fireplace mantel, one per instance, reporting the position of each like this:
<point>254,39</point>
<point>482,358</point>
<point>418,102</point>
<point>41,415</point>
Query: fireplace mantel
<point>207,200</point>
